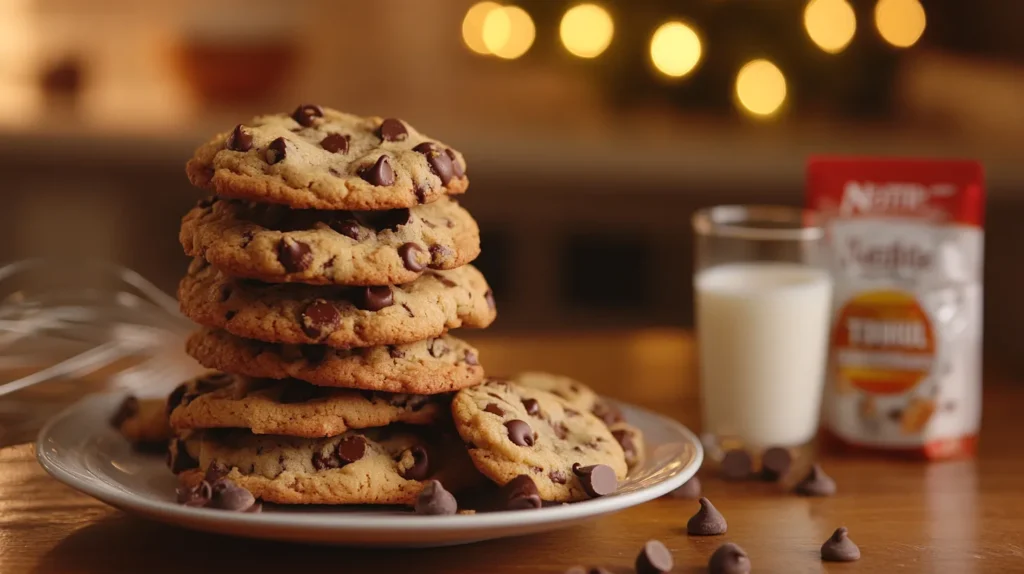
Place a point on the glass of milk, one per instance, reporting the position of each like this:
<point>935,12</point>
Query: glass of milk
<point>763,300</point>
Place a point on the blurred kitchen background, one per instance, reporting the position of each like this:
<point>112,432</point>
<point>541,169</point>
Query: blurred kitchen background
<point>592,132</point>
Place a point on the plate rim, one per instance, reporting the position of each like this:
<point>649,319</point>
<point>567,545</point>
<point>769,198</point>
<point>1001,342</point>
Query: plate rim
<point>368,522</point>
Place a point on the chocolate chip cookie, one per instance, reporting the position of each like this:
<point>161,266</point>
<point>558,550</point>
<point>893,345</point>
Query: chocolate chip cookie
<point>431,366</point>
<point>277,244</point>
<point>512,430</point>
<point>374,466</point>
<point>295,408</point>
<point>583,398</point>
<point>143,422</point>
<point>319,158</point>
<point>337,316</point>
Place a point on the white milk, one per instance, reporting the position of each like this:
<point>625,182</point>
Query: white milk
<point>763,331</point>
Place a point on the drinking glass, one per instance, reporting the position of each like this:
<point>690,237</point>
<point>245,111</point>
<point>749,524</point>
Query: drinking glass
<point>763,300</point>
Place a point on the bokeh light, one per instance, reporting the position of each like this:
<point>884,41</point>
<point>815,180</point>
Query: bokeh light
<point>508,32</point>
<point>675,49</point>
<point>900,22</point>
<point>830,24</point>
<point>473,26</point>
<point>760,88</point>
<point>586,30</point>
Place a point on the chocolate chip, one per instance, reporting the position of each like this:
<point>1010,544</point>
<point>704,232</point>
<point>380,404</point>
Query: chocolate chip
<point>494,409</point>
<point>438,161</point>
<point>561,431</point>
<point>519,494</point>
<point>729,559</point>
<point>229,496</point>
<point>441,255</point>
<point>457,168</point>
<point>181,460</point>
<point>198,495</point>
<point>627,441</point>
<point>519,432</point>
<point>313,354</point>
<point>470,358</point>
<point>654,559</point>
<point>408,310</point>
<point>296,391</point>
<point>571,413</point>
<point>421,197</point>
<point>597,480</point>
<point>532,407</point>
<point>489,297</point>
<point>413,257</point>
<point>348,227</point>
<point>129,407</point>
<point>558,477</point>
<point>380,173</point>
<point>379,221</point>
<point>775,463</point>
<point>691,490</point>
<point>240,139</point>
<point>319,318</point>
<point>816,483</point>
<point>395,352</point>
<point>305,114</point>
<point>230,315</point>
<point>335,143</point>
<point>294,255</point>
<point>276,151</point>
<point>351,448</point>
<point>176,397</point>
<point>438,348</point>
<point>607,412</point>
<point>707,522</point>
<point>736,464</point>
<point>839,547</point>
<point>420,468</point>
<point>434,500</point>
<point>376,298</point>
<point>392,130</point>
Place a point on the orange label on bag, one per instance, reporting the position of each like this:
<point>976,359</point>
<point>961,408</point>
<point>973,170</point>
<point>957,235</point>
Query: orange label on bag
<point>884,342</point>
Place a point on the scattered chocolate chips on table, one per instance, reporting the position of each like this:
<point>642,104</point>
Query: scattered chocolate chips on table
<point>816,483</point>
<point>707,522</point>
<point>729,559</point>
<point>435,500</point>
<point>597,480</point>
<point>654,558</point>
<point>736,465</point>
<point>691,490</point>
<point>839,547</point>
<point>775,463</point>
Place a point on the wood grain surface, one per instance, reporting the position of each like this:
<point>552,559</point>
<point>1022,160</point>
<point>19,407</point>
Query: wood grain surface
<point>959,517</point>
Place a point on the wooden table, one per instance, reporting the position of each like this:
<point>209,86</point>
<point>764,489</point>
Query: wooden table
<point>959,517</point>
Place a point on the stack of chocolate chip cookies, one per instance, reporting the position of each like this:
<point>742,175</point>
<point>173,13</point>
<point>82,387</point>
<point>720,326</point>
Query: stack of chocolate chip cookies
<point>329,265</point>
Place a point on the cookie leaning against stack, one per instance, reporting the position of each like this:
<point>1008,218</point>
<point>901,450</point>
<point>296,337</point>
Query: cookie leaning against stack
<point>329,265</point>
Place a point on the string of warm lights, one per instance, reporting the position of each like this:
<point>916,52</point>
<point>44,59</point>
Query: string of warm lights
<point>586,30</point>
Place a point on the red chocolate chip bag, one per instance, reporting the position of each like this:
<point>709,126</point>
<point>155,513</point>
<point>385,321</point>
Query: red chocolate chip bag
<point>906,238</point>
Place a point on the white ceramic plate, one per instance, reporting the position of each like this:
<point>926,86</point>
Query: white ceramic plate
<point>79,448</point>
